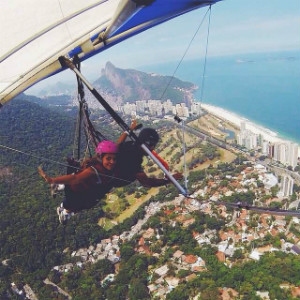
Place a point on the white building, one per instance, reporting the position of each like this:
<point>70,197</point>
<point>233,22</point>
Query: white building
<point>247,139</point>
<point>168,106</point>
<point>269,180</point>
<point>182,110</point>
<point>265,147</point>
<point>141,106</point>
<point>287,185</point>
<point>196,109</point>
<point>129,109</point>
<point>286,153</point>
<point>292,155</point>
<point>155,107</point>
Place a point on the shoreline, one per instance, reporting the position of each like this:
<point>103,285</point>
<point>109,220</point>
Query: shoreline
<point>236,120</point>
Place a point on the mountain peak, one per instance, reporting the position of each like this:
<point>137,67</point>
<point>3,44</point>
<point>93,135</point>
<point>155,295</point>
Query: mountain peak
<point>109,65</point>
<point>122,85</point>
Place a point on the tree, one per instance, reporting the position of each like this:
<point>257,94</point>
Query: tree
<point>138,290</point>
<point>126,251</point>
<point>238,254</point>
<point>210,293</point>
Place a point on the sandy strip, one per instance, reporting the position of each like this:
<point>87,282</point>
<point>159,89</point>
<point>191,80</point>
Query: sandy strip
<point>235,119</point>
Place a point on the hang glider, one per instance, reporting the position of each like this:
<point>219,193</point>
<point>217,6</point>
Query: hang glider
<point>35,34</point>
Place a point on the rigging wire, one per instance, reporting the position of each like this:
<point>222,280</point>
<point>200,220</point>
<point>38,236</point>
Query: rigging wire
<point>184,157</point>
<point>172,77</point>
<point>185,52</point>
<point>205,57</point>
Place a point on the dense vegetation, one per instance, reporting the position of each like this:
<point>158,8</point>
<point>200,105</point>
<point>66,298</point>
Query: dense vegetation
<point>31,237</point>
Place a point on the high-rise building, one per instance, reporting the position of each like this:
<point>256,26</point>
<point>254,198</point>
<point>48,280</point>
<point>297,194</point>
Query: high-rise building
<point>292,155</point>
<point>168,106</point>
<point>286,153</point>
<point>155,107</point>
<point>271,150</point>
<point>129,109</point>
<point>243,126</point>
<point>265,148</point>
<point>196,109</point>
<point>247,139</point>
<point>141,105</point>
<point>182,110</point>
<point>287,185</point>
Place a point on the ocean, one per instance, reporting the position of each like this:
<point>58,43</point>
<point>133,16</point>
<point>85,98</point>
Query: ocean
<point>264,87</point>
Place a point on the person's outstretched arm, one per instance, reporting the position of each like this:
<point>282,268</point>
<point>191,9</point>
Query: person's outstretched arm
<point>124,134</point>
<point>67,179</point>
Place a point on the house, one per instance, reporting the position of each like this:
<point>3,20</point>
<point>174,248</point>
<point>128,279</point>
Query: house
<point>172,282</point>
<point>255,255</point>
<point>177,254</point>
<point>190,277</point>
<point>198,269</point>
<point>189,259</point>
<point>188,222</point>
<point>144,249</point>
<point>162,271</point>
<point>220,256</point>
<point>152,287</point>
<point>167,212</point>
<point>296,249</point>
<point>263,295</point>
<point>228,294</point>
<point>274,231</point>
<point>149,233</point>
<point>230,251</point>
<point>295,291</point>
<point>161,292</point>
<point>267,248</point>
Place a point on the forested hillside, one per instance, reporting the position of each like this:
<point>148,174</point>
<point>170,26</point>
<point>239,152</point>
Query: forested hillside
<point>121,85</point>
<point>30,234</point>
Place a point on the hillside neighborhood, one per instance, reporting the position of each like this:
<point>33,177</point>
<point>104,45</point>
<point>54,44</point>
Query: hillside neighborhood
<point>232,234</point>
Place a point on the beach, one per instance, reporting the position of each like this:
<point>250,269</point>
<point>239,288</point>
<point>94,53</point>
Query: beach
<point>236,120</point>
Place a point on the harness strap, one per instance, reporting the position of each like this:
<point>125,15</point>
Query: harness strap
<point>99,181</point>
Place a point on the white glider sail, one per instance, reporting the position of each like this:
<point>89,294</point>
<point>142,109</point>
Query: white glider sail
<point>34,34</point>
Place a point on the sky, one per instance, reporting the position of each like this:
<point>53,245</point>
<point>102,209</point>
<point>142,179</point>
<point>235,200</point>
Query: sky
<point>236,27</point>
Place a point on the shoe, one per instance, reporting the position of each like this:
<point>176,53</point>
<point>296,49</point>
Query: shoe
<point>63,215</point>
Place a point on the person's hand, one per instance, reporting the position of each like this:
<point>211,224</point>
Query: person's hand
<point>133,124</point>
<point>43,174</point>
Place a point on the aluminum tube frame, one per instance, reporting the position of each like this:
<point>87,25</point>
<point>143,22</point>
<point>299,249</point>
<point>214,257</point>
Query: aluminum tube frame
<point>169,175</point>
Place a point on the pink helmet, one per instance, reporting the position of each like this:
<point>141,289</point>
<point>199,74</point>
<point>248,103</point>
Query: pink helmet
<point>107,147</point>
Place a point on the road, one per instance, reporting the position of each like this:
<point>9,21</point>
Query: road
<point>61,291</point>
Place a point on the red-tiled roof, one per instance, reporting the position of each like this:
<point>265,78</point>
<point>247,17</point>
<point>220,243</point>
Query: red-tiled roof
<point>190,259</point>
<point>221,256</point>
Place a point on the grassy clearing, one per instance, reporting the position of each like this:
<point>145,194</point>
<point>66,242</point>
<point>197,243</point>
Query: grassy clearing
<point>207,123</point>
<point>138,202</point>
